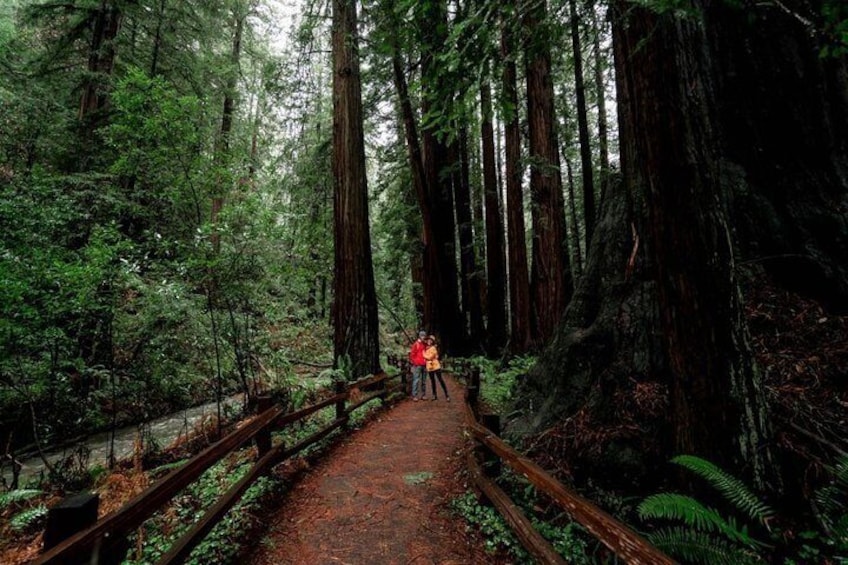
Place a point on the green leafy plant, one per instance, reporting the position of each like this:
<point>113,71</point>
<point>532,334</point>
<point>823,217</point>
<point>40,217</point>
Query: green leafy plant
<point>703,534</point>
<point>18,495</point>
<point>29,519</point>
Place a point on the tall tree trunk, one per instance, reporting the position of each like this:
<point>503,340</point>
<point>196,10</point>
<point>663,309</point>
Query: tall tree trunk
<point>355,324</point>
<point>718,407</point>
<point>468,264</point>
<point>550,278</point>
<point>157,38</point>
<point>601,95</point>
<point>495,257</point>
<point>575,225</point>
<point>582,124</point>
<point>222,149</point>
<point>442,315</point>
<point>419,183</point>
<point>101,60</point>
<point>521,337</point>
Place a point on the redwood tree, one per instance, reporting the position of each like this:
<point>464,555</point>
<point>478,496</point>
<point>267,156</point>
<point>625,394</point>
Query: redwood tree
<point>550,277</point>
<point>355,321</point>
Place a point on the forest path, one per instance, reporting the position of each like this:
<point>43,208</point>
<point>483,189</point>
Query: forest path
<point>382,495</point>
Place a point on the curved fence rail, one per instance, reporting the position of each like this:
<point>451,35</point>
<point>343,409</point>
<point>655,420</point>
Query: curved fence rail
<point>625,543</point>
<point>102,542</point>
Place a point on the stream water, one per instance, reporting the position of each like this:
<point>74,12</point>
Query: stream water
<point>163,431</point>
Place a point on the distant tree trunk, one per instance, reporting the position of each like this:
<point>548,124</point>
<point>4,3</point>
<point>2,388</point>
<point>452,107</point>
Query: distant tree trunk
<point>550,278</point>
<point>101,59</point>
<point>222,150</point>
<point>157,38</point>
<point>495,257</point>
<point>601,95</point>
<point>355,324</point>
<point>442,315</point>
<point>419,182</point>
<point>575,225</point>
<point>521,337</point>
<point>582,124</point>
<point>468,264</point>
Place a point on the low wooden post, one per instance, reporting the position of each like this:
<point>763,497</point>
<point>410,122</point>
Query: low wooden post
<point>340,388</point>
<point>474,390</point>
<point>491,463</point>
<point>263,438</point>
<point>75,514</point>
<point>71,515</point>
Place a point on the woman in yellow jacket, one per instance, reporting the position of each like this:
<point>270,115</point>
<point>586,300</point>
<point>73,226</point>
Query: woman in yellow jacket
<point>434,368</point>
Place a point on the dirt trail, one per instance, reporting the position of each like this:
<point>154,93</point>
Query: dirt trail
<point>381,496</point>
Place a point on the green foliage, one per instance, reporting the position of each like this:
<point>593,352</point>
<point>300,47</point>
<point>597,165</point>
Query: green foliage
<point>29,519</point>
<point>706,536</point>
<point>498,383</point>
<point>490,524</point>
<point>729,486</point>
<point>17,496</point>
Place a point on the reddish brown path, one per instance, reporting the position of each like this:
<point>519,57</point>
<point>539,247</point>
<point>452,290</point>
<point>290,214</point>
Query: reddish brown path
<point>381,496</point>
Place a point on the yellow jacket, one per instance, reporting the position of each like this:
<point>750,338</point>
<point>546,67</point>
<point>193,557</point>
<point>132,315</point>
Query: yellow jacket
<point>431,355</point>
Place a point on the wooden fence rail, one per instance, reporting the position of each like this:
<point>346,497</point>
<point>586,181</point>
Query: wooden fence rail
<point>619,538</point>
<point>111,530</point>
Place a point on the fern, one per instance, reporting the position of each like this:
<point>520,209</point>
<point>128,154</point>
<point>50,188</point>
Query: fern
<point>19,495</point>
<point>700,547</point>
<point>729,486</point>
<point>678,507</point>
<point>29,518</point>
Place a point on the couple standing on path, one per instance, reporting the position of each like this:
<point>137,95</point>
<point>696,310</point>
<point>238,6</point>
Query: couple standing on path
<point>423,354</point>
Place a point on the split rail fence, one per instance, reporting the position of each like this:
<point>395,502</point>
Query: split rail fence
<point>105,540</point>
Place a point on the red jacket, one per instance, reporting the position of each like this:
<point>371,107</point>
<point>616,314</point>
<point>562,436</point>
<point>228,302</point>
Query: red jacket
<point>416,353</point>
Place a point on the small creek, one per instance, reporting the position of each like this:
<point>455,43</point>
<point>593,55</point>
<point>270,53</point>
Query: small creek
<point>163,431</point>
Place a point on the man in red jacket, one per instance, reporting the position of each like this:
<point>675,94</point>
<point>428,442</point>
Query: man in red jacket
<point>417,362</point>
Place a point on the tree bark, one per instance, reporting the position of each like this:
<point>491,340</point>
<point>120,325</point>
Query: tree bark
<point>470,280</point>
<point>521,337</point>
<point>101,60</point>
<point>495,257</point>
<point>601,95</point>
<point>582,124</point>
<point>355,323</point>
<point>442,314</point>
<point>550,278</point>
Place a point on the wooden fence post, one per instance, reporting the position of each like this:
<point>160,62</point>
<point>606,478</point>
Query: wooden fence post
<point>263,438</point>
<point>473,390</point>
<point>340,388</point>
<point>491,463</point>
<point>75,514</point>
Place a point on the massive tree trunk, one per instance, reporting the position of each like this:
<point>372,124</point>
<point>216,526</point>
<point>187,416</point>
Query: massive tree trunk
<point>521,335</point>
<point>653,358</point>
<point>355,321</point>
<point>495,258</point>
<point>550,276</point>
<point>783,111</point>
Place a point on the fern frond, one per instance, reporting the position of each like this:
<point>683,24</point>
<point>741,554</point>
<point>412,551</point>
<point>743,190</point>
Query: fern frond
<point>692,546</point>
<point>729,486</point>
<point>28,518</point>
<point>18,495</point>
<point>671,506</point>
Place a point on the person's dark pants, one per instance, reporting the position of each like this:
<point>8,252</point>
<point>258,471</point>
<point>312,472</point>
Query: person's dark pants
<point>433,375</point>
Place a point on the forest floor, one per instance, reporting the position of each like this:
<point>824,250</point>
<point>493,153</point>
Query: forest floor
<point>382,496</point>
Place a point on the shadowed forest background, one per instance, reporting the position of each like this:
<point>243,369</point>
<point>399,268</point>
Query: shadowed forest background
<point>632,215</point>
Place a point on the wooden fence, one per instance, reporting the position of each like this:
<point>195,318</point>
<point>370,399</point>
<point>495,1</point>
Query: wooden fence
<point>102,541</point>
<point>625,543</point>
